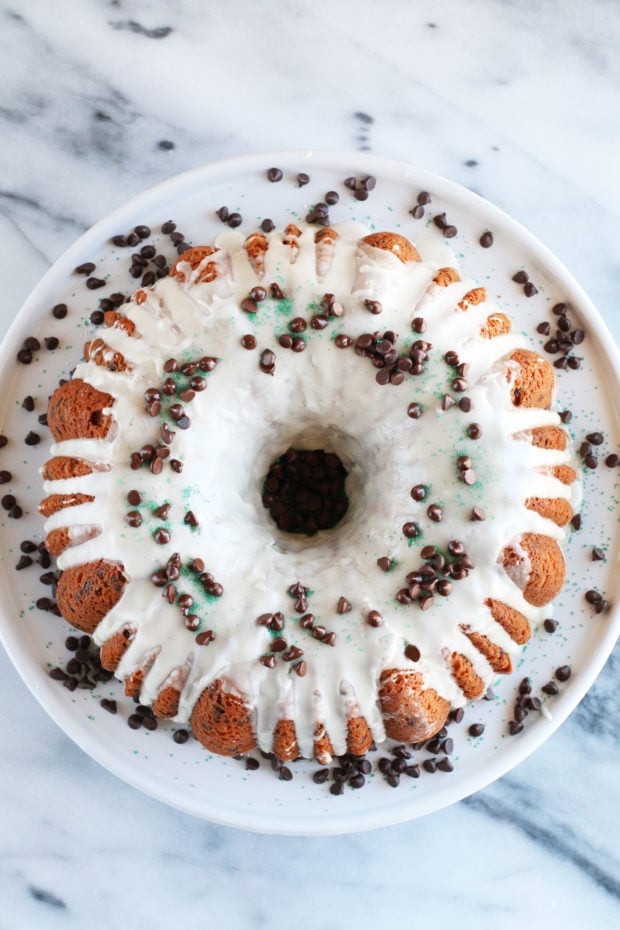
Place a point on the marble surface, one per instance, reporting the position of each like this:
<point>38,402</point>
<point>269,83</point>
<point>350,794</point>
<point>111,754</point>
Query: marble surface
<point>517,100</point>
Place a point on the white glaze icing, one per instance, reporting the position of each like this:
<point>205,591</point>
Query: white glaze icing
<point>325,398</point>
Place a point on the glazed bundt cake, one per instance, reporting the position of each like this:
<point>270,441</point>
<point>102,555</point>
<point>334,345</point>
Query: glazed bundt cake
<point>307,492</point>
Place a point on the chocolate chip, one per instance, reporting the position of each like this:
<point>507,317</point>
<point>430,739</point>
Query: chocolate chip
<point>274,175</point>
<point>161,536</point>
<point>529,289</point>
<point>563,673</point>
<point>235,220</point>
<point>248,342</point>
<point>60,311</point>
<point>344,606</point>
<point>550,688</point>
<point>435,513</point>
<point>32,439</point>
<point>486,240</point>
<point>410,530</point>
<point>414,411</point>
<point>276,292</point>
<point>521,277</point>
<point>612,460</point>
<point>267,362</point>
<point>384,563</point>
<point>412,652</point>
<point>374,618</point>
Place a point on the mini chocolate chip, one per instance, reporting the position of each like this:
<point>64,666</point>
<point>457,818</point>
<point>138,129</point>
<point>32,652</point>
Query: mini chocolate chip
<point>563,673</point>
<point>412,652</point>
<point>410,530</point>
<point>274,175</point>
<point>486,240</point>
<point>384,563</point>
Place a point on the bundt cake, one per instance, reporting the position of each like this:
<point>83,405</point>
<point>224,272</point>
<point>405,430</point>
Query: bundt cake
<point>307,492</point>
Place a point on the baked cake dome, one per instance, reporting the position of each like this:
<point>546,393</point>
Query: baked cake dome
<point>308,492</point>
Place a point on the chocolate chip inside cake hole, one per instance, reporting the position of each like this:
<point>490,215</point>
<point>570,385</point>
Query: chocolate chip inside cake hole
<point>304,491</point>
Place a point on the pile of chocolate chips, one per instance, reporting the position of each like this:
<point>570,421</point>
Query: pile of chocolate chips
<point>391,364</point>
<point>304,491</point>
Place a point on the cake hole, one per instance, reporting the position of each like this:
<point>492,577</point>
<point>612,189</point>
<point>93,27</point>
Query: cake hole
<point>304,491</point>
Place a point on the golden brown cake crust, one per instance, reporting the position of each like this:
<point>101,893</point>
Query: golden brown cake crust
<point>221,721</point>
<point>547,572</point>
<point>87,592</point>
<point>75,411</point>
<point>466,677</point>
<point>64,537</point>
<point>497,324</point>
<point>496,657</point>
<point>323,749</point>
<point>410,711</point>
<point>285,747</point>
<point>398,245</point>
<point>115,648</point>
<point>548,437</point>
<point>563,473</point>
<point>514,623</point>
<point>557,509</point>
<point>534,383</point>
<point>56,502</point>
<point>65,466</point>
<point>166,704</point>
<point>359,737</point>
<point>193,257</point>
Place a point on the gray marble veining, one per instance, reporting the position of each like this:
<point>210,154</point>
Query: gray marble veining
<point>516,100</point>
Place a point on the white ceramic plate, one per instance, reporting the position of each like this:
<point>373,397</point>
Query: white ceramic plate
<point>187,776</point>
